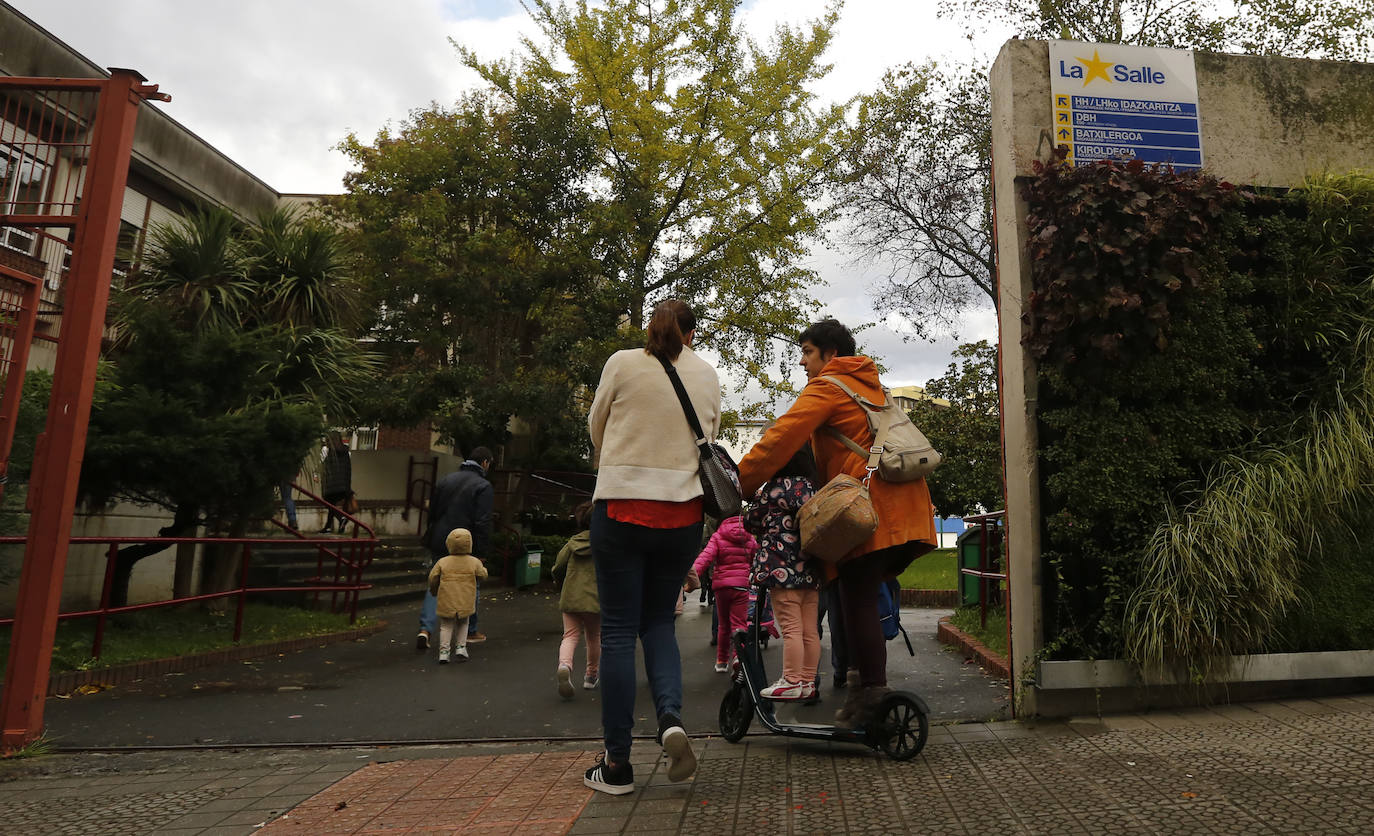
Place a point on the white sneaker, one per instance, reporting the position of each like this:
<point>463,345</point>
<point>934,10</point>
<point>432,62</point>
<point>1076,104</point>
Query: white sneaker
<point>589,682</point>
<point>565,689</point>
<point>721,667</point>
<point>784,690</point>
<point>443,655</point>
<point>461,653</point>
<point>682,761</point>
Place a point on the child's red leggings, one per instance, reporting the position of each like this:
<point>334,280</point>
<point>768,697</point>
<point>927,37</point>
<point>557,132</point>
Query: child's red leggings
<point>732,608</point>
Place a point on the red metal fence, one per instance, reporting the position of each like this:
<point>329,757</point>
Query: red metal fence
<point>65,145</point>
<point>348,559</point>
<point>18,314</point>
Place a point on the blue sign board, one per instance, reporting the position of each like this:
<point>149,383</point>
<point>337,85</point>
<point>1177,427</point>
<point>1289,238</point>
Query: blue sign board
<point>1114,102</point>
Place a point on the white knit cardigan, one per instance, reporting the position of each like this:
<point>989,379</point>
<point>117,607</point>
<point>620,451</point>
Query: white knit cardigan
<point>645,447</point>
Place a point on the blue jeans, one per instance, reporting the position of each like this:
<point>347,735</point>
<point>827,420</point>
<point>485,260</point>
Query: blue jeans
<point>639,575</point>
<point>288,502</point>
<point>429,615</point>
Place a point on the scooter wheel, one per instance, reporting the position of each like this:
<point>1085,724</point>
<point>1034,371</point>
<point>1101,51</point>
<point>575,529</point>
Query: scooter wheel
<point>899,727</point>
<point>736,713</point>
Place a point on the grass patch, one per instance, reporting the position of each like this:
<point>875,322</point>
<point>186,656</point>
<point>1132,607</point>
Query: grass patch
<point>40,747</point>
<point>994,636</point>
<point>180,631</point>
<point>933,570</point>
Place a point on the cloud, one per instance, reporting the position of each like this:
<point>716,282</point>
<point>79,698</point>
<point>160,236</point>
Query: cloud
<point>276,84</point>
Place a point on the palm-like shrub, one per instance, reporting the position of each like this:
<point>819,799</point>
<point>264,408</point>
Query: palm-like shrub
<point>231,350</point>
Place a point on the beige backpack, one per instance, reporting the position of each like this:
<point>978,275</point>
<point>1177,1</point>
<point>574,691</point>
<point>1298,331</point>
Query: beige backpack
<point>906,455</point>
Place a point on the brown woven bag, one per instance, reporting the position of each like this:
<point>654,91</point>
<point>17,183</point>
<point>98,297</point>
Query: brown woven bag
<point>839,517</point>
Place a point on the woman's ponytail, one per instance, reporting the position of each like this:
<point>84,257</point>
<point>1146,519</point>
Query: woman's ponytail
<point>669,325</point>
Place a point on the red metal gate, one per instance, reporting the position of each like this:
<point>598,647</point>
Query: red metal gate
<point>18,313</point>
<point>65,145</point>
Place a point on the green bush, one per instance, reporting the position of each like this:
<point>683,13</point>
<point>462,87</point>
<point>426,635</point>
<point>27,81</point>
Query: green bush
<point>1333,611</point>
<point>1180,325</point>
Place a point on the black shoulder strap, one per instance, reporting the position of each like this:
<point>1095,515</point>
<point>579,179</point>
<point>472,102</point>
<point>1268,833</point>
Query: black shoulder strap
<point>687,407</point>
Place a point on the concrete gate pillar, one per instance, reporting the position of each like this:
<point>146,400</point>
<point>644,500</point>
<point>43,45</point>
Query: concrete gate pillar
<point>1265,121</point>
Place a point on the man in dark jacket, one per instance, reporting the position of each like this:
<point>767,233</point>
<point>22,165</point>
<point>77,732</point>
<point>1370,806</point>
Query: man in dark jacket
<point>462,499</point>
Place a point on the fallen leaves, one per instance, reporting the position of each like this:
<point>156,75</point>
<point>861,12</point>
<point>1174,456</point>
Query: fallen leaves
<point>85,690</point>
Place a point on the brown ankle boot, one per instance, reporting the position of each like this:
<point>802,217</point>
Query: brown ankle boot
<point>853,694</point>
<point>868,698</point>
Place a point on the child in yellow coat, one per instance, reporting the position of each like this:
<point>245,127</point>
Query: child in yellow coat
<point>453,581</point>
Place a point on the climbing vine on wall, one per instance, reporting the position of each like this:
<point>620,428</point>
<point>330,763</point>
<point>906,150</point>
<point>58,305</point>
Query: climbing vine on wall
<point>1177,321</point>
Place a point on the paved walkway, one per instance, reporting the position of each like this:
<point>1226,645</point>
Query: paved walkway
<point>1283,767</point>
<point>379,689</point>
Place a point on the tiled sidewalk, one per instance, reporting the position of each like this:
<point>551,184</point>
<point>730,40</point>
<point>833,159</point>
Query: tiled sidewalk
<point>1285,767</point>
<point>528,793</point>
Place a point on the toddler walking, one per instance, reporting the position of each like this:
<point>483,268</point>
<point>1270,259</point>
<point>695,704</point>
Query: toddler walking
<point>792,582</point>
<point>728,555</point>
<point>453,581</point>
<point>576,571</point>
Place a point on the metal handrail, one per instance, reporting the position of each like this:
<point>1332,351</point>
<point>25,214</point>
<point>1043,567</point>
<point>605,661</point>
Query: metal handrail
<point>347,581</point>
<point>987,522</point>
<point>983,573</point>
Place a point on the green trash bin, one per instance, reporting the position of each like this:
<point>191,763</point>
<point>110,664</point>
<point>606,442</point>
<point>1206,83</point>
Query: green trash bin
<point>527,568</point>
<point>968,553</point>
<point>967,549</point>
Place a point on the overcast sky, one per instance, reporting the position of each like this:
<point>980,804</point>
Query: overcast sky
<point>275,84</point>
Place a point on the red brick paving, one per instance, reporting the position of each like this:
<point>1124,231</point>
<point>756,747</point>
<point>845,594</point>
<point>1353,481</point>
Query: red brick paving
<point>530,793</point>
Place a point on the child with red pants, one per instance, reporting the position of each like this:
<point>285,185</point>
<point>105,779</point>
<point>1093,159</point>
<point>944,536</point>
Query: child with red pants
<point>728,555</point>
<point>781,568</point>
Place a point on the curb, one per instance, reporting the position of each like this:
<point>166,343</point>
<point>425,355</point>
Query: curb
<point>994,664</point>
<point>65,682</point>
<point>931,598</point>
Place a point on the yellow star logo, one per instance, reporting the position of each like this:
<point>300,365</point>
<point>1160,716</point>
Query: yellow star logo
<point>1096,67</point>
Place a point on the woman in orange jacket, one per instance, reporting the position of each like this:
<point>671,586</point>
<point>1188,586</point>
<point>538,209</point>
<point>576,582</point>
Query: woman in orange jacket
<point>906,519</point>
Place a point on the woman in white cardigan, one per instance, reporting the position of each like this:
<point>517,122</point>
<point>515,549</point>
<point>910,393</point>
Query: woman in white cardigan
<point>646,529</point>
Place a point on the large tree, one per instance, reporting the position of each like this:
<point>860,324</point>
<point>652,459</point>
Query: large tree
<point>231,348</point>
<point>1333,29</point>
<point>915,184</point>
<point>710,155</point>
<point>967,432</point>
<point>476,237</point>
<point>915,188</point>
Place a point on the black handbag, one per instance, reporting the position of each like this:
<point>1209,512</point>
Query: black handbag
<point>719,475</point>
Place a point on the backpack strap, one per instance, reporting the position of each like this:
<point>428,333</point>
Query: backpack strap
<point>884,421</point>
<point>868,406</point>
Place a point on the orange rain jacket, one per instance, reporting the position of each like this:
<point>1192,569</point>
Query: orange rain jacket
<point>905,512</point>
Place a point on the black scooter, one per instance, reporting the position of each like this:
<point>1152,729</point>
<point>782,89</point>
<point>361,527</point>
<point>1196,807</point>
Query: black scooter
<point>898,728</point>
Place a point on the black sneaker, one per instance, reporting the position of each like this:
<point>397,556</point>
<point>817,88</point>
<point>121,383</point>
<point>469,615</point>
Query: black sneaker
<point>422,640</point>
<point>612,778</point>
<point>682,761</point>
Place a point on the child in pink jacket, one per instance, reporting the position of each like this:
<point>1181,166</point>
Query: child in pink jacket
<point>729,555</point>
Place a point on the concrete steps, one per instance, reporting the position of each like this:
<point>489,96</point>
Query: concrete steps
<point>397,573</point>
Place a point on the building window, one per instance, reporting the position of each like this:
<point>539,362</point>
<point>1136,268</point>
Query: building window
<point>126,253</point>
<point>22,180</point>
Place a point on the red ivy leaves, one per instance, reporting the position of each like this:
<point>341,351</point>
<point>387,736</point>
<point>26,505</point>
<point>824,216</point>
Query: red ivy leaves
<point>1112,245</point>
